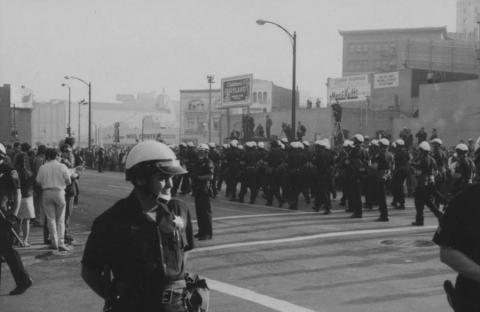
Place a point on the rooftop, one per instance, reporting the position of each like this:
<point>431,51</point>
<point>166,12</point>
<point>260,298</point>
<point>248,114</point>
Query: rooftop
<point>442,29</point>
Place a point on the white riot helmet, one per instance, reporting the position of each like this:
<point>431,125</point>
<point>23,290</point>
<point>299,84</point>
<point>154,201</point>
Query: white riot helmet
<point>234,143</point>
<point>374,142</point>
<point>384,142</point>
<point>477,145</point>
<point>306,143</point>
<point>212,144</point>
<point>358,138</point>
<point>462,147</point>
<point>155,155</point>
<point>400,142</point>
<point>203,147</point>
<point>437,141</point>
<point>261,145</point>
<point>424,146</point>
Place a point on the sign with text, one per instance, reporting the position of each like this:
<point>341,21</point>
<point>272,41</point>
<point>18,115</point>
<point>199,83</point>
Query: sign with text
<point>385,80</point>
<point>237,91</point>
<point>348,89</point>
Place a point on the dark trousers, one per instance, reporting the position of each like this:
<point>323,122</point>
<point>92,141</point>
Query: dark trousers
<point>382,198</point>
<point>203,210</point>
<point>273,181</point>
<point>249,181</point>
<point>232,181</point>
<point>424,196</point>
<point>355,195</point>
<point>322,192</point>
<point>398,179</point>
<point>11,256</point>
<point>295,186</point>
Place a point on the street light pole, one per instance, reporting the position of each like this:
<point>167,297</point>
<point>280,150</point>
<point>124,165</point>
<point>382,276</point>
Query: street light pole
<point>293,37</point>
<point>69,129</point>
<point>210,81</point>
<point>89,85</point>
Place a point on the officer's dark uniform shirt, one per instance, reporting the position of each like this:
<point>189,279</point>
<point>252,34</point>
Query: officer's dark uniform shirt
<point>402,158</point>
<point>324,161</point>
<point>9,183</point>
<point>143,256</point>
<point>200,168</point>
<point>425,167</point>
<point>459,229</point>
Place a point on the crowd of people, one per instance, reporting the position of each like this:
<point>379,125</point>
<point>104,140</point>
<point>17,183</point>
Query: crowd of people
<point>364,169</point>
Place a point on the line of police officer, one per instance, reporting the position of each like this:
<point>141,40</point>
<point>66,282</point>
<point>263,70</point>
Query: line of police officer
<point>360,167</point>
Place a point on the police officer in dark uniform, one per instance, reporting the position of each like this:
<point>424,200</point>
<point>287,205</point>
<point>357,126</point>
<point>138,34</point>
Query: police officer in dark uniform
<point>295,162</point>
<point>250,173</point>
<point>232,157</point>
<point>382,164</point>
<point>323,162</point>
<point>10,193</point>
<point>400,174</point>
<point>458,236</point>
<point>463,170</point>
<point>441,160</point>
<point>202,176</point>
<point>425,168</point>
<point>215,157</point>
<point>275,159</point>
<point>143,239</point>
<point>356,168</point>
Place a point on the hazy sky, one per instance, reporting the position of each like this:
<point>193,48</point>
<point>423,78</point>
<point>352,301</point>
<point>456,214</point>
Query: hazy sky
<point>147,45</point>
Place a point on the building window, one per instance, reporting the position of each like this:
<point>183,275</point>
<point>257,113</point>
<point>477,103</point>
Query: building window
<point>254,97</point>
<point>264,97</point>
<point>190,123</point>
<point>260,97</point>
<point>215,124</point>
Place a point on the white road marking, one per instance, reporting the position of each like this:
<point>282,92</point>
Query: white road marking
<point>316,236</point>
<point>249,295</point>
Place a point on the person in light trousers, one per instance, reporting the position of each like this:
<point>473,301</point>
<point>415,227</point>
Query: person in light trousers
<point>53,177</point>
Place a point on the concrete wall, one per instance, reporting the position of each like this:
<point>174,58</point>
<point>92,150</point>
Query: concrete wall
<point>23,119</point>
<point>453,108</point>
<point>49,124</point>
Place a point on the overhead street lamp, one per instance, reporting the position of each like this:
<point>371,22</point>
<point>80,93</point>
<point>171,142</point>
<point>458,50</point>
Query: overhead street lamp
<point>210,81</point>
<point>293,37</point>
<point>69,129</point>
<point>89,85</point>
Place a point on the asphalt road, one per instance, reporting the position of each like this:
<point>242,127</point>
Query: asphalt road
<point>263,259</point>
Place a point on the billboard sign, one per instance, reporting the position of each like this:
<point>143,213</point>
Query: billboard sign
<point>348,89</point>
<point>237,91</point>
<point>385,80</point>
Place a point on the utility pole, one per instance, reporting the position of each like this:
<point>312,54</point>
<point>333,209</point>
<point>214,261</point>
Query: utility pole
<point>210,81</point>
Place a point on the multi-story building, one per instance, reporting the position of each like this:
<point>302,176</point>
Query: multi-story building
<point>194,108</point>
<point>48,122</point>
<point>468,17</point>
<point>367,51</point>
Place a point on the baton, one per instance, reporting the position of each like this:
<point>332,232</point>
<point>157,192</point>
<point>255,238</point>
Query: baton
<point>22,244</point>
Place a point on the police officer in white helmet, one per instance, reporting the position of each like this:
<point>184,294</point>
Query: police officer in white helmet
<point>142,239</point>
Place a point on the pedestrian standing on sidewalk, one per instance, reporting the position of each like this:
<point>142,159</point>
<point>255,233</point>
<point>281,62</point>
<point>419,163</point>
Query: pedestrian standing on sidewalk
<point>54,177</point>
<point>10,192</point>
<point>142,239</point>
<point>27,210</point>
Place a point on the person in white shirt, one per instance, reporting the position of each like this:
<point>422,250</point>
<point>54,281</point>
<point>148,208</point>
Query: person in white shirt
<point>53,177</point>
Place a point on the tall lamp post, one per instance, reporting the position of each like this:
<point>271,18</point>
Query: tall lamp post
<point>89,85</point>
<point>210,81</point>
<point>69,127</point>
<point>82,102</point>
<point>293,37</point>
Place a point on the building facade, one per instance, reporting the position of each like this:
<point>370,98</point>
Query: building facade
<point>48,124</point>
<point>366,51</point>
<point>468,16</point>
<point>194,107</point>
